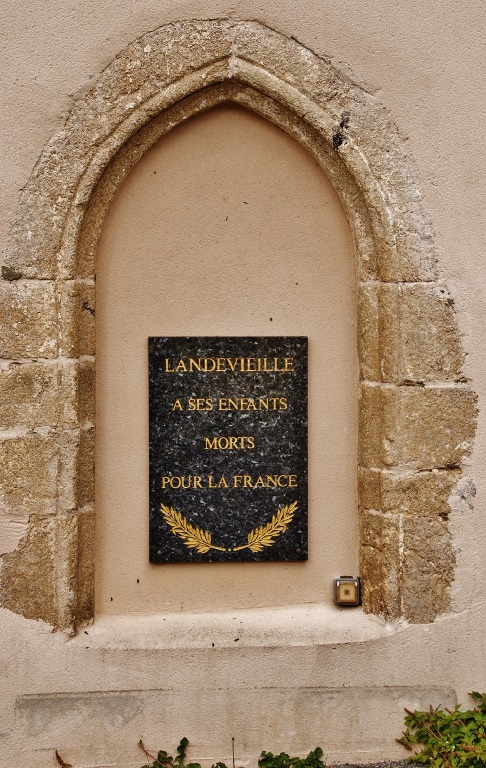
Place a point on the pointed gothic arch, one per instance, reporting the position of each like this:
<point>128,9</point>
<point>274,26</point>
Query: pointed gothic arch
<point>417,413</point>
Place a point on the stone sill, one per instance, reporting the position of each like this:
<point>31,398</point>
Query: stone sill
<point>298,625</point>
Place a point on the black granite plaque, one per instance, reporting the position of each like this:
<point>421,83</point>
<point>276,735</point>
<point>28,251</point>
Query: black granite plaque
<point>228,449</point>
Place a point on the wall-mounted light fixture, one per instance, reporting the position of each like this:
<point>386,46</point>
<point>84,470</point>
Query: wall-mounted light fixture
<point>347,591</point>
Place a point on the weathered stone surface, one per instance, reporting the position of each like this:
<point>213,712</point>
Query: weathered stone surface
<point>407,333</point>
<point>419,427</point>
<point>368,332</point>
<point>419,552</point>
<point>427,569</point>
<point>380,563</point>
<point>86,319</point>
<point>86,391</point>
<point>370,427</point>
<point>28,320</point>
<point>27,577</point>
<point>29,473</point>
<point>84,609</point>
<point>77,327</point>
<point>421,493</point>
<point>38,394</point>
<point>85,468</point>
<point>418,334</point>
<point>40,578</point>
<point>69,440</point>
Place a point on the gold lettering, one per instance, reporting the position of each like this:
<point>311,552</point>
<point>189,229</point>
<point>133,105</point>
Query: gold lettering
<point>251,404</point>
<point>221,483</point>
<point>200,404</point>
<point>184,482</point>
<point>234,442</point>
<point>209,361</point>
<point>221,364</point>
<point>177,406</point>
<point>265,481</point>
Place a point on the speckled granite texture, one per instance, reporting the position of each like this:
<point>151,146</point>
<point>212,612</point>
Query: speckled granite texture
<point>228,449</point>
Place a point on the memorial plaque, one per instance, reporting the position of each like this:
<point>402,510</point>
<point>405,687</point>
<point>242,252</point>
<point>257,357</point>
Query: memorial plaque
<point>228,449</point>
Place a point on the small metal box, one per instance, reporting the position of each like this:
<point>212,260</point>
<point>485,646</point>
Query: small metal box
<point>347,591</point>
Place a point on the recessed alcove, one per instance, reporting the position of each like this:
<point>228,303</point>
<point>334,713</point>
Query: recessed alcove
<point>416,410</point>
<point>225,227</point>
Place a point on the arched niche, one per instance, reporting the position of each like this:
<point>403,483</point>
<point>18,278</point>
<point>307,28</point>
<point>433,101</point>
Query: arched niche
<point>416,412</point>
<point>226,226</point>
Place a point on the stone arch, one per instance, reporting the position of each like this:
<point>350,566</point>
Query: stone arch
<point>417,413</point>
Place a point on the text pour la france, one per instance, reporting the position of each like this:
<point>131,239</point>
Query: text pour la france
<point>243,481</point>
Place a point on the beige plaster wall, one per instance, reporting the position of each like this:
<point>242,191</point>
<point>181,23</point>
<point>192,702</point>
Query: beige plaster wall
<point>226,227</point>
<point>92,697</point>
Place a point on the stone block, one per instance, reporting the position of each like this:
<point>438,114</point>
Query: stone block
<point>38,394</point>
<point>380,563</point>
<point>29,473</point>
<point>422,493</point>
<point>86,319</point>
<point>407,333</point>
<point>86,387</point>
<point>85,468</point>
<point>77,335</point>
<point>370,426</point>
<point>39,578</point>
<point>287,60</point>
<point>27,576</point>
<point>85,567</point>
<point>368,331</point>
<point>67,484</point>
<point>28,320</point>
<point>416,427</point>
<point>427,569</point>
<point>419,340</point>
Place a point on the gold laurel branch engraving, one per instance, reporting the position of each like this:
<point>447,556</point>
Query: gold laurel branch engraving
<point>193,537</point>
<point>265,535</point>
